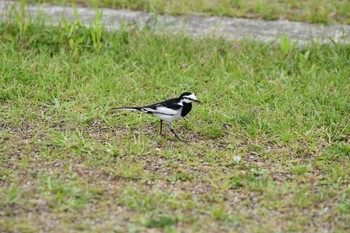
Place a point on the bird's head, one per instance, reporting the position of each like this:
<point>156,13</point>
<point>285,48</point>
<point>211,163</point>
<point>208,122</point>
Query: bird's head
<point>189,97</point>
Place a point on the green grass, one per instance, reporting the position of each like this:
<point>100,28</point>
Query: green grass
<point>314,11</point>
<point>268,149</point>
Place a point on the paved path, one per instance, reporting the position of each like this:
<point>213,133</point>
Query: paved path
<point>195,25</point>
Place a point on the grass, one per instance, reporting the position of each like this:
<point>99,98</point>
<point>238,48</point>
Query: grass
<point>268,149</point>
<point>323,11</point>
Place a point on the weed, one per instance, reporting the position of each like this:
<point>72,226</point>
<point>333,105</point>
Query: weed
<point>286,45</point>
<point>161,222</point>
<point>21,19</point>
<point>12,195</point>
<point>97,29</point>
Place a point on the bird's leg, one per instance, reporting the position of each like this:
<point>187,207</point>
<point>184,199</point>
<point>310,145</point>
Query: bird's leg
<point>161,127</point>
<point>172,130</point>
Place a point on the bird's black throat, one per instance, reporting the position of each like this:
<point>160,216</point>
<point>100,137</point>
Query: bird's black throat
<point>186,109</point>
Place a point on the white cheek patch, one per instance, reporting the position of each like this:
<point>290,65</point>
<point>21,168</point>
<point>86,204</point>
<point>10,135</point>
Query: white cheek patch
<point>189,98</point>
<point>192,96</point>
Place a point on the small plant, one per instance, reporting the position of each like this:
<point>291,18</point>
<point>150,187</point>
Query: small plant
<point>65,195</point>
<point>180,176</point>
<point>97,30</point>
<point>70,33</point>
<point>21,20</point>
<point>12,194</point>
<point>213,130</point>
<point>261,7</point>
<point>219,213</point>
<point>74,45</point>
<point>161,222</point>
<point>286,45</point>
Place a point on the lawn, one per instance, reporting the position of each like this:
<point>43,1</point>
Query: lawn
<point>314,11</point>
<point>267,151</point>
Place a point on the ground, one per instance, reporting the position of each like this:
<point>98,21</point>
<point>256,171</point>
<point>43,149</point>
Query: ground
<point>267,151</point>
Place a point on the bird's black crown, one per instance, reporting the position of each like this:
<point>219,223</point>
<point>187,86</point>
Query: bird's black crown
<point>185,94</point>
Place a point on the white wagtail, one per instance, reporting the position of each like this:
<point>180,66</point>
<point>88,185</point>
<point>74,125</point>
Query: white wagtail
<point>168,110</point>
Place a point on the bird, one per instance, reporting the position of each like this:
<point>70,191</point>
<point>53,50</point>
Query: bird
<point>169,110</point>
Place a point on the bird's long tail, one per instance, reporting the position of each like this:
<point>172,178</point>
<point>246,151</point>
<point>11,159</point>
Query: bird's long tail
<point>128,108</point>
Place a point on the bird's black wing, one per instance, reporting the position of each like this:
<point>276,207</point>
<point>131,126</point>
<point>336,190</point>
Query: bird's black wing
<point>168,107</point>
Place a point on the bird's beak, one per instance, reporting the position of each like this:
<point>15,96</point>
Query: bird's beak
<point>197,101</point>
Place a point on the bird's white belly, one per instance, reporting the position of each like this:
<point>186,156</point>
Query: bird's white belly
<point>169,118</point>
